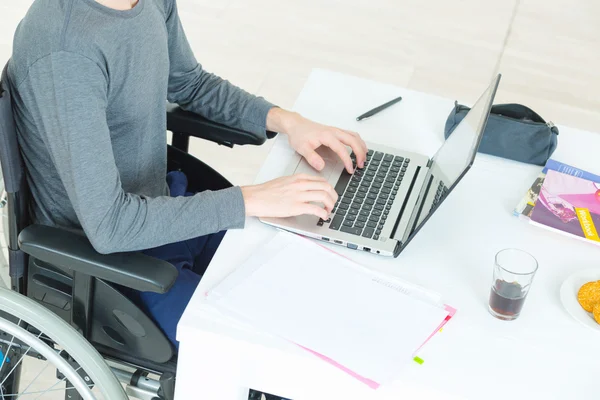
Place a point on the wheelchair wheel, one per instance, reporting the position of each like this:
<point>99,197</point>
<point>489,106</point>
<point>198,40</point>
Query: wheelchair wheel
<point>66,363</point>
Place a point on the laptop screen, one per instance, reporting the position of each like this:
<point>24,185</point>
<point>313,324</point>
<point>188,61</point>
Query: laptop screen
<point>457,153</point>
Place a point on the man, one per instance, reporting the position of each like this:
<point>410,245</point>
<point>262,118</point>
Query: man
<point>91,80</point>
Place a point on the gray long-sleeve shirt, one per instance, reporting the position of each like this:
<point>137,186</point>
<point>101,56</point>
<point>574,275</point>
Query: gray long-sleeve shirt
<point>91,88</point>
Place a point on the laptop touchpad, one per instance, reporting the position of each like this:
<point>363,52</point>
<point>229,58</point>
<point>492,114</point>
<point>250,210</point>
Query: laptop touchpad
<point>305,168</point>
<point>331,160</point>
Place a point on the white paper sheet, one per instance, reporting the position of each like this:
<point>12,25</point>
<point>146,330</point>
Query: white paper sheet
<point>320,300</point>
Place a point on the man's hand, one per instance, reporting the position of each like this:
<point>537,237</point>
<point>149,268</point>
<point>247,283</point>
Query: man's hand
<point>297,194</point>
<point>305,136</point>
<point>290,196</point>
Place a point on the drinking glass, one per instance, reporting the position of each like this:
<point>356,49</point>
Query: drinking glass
<point>514,270</point>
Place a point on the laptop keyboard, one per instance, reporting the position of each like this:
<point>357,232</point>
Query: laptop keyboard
<point>441,192</point>
<point>366,197</point>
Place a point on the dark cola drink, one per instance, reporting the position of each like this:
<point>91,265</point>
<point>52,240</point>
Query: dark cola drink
<point>506,299</point>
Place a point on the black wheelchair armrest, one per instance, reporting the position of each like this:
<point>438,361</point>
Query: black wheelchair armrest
<point>72,251</point>
<point>191,124</point>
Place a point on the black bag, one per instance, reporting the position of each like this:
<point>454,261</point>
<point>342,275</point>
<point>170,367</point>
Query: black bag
<point>513,131</point>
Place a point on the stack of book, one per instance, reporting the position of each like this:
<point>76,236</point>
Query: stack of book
<point>564,199</point>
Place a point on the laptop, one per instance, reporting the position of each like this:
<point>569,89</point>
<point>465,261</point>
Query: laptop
<point>382,206</point>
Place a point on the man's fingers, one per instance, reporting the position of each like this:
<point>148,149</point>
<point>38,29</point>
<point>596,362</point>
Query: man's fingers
<point>313,159</point>
<point>308,177</point>
<point>360,140</point>
<point>359,147</point>
<point>318,186</point>
<point>313,209</point>
<point>334,144</point>
<point>319,197</point>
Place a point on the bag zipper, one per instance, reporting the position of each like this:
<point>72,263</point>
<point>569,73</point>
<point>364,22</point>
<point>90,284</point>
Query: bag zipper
<point>549,124</point>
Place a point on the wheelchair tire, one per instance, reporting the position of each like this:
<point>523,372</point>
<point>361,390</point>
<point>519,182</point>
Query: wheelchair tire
<point>65,337</point>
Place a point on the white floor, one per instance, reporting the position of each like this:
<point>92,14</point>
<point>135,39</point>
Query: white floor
<point>547,50</point>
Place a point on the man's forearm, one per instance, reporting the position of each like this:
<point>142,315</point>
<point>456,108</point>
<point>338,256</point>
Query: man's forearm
<point>281,121</point>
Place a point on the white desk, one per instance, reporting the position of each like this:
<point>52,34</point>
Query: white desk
<point>544,354</point>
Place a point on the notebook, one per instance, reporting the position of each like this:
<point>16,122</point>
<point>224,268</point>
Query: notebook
<point>363,322</point>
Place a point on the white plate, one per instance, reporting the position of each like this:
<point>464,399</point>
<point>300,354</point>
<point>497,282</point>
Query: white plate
<point>568,296</point>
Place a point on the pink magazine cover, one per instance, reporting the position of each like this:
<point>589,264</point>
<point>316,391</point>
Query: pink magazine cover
<point>570,205</point>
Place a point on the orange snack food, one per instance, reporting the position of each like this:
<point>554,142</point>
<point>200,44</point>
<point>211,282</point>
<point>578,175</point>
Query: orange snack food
<point>589,295</point>
<point>596,312</point>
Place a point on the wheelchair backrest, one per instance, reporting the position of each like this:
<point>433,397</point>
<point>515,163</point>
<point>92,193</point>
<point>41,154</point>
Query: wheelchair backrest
<point>13,172</point>
<point>10,156</point>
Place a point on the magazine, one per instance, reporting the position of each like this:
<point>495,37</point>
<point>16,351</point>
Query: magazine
<point>570,205</point>
<point>527,203</point>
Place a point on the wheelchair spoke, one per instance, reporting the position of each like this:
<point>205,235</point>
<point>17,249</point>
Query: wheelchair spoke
<point>20,361</point>
<point>34,379</point>
<point>39,392</point>
<point>8,350</point>
<point>46,347</point>
<point>51,389</point>
<point>3,361</point>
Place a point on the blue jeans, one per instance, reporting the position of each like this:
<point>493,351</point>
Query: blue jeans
<point>191,258</point>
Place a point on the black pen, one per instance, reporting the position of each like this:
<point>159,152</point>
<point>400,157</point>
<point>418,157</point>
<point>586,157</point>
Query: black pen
<point>378,109</point>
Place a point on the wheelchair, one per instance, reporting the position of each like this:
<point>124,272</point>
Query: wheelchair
<point>66,305</point>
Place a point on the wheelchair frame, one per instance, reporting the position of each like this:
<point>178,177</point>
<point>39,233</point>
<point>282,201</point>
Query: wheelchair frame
<point>48,262</point>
